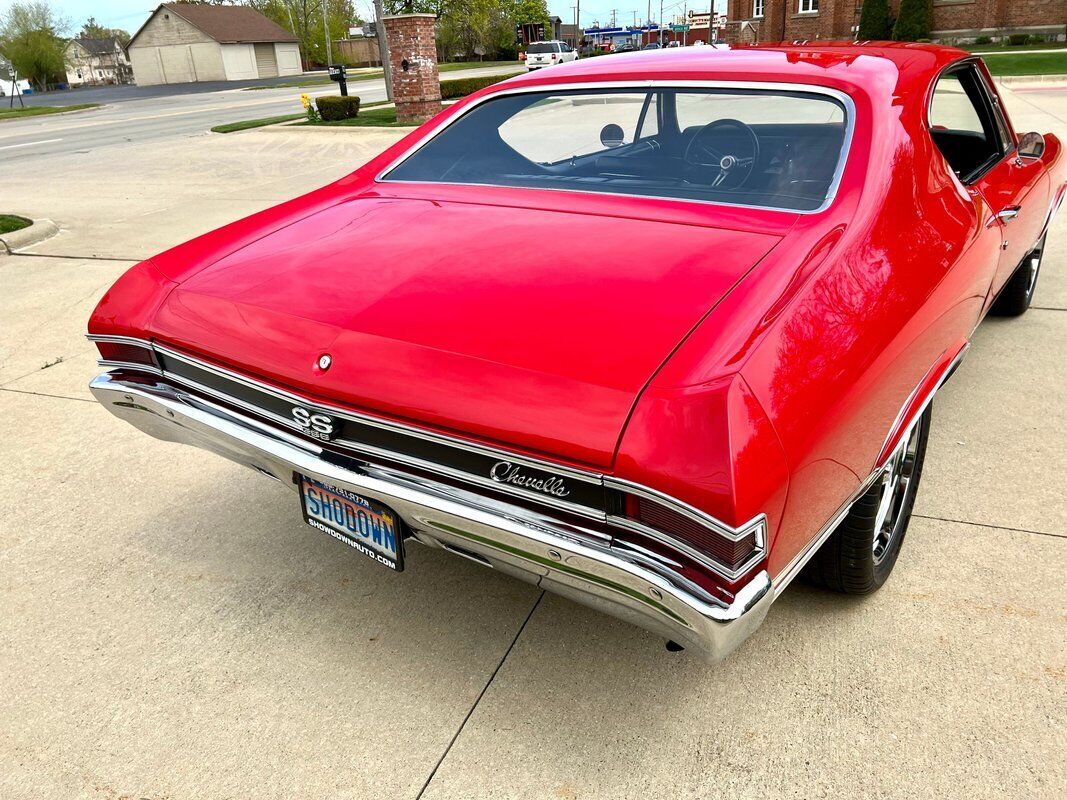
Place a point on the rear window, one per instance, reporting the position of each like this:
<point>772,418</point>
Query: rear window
<point>543,48</point>
<point>762,148</point>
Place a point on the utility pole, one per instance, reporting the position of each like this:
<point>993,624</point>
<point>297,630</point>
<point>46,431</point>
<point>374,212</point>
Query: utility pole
<point>613,17</point>
<point>661,21</point>
<point>326,33</point>
<point>383,49</point>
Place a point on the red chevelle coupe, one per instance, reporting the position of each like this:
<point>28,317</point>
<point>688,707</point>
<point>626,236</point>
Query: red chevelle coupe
<point>655,332</point>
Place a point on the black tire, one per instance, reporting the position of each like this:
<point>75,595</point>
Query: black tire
<point>1018,292</point>
<point>851,561</point>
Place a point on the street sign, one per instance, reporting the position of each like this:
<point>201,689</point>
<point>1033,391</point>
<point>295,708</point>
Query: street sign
<point>680,28</point>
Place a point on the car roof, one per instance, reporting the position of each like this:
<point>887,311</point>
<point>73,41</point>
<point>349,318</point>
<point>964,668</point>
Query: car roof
<point>867,66</point>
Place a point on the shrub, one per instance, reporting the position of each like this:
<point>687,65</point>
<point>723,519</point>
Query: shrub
<point>1035,39</point>
<point>1017,39</point>
<point>333,108</point>
<point>461,87</point>
<point>983,40</point>
<point>874,20</point>
<point>913,21</point>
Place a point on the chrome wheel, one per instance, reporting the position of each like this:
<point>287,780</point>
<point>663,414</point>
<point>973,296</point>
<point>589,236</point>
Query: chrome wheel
<point>894,489</point>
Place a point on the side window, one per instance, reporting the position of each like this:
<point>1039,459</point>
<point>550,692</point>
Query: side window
<point>963,124</point>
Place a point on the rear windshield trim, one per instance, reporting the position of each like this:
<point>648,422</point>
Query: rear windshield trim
<point>801,88</point>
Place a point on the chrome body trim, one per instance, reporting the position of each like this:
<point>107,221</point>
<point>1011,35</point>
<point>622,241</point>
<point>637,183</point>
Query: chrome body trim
<point>757,523</point>
<point>356,416</point>
<point>899,423</point>
<point>766,86</point>
<point>559,557</point>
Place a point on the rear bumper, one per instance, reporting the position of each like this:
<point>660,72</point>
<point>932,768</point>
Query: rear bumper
<point>567,560</point>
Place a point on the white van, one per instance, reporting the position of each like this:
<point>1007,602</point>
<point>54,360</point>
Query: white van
<point>545,54</point>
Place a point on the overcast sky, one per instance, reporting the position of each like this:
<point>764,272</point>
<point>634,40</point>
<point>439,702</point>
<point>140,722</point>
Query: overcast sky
<point>129,14</point>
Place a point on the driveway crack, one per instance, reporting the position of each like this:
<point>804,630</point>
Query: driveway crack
<point>478,699</point>
<point>994,527</point>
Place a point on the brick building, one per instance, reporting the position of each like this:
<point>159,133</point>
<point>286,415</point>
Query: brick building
<point>960,20</point>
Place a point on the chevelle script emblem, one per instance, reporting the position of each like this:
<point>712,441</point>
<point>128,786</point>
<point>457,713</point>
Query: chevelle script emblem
<point>506,472</point>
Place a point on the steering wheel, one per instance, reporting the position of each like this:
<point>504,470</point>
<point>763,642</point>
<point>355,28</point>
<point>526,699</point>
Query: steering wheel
<point>727,145</point>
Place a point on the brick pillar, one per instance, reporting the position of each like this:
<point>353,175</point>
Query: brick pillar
<point>413,58</point>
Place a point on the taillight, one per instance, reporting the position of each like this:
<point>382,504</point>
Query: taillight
<point>732,551</point>
<point>553,56</point>
<point>114,352</point>
<point>522,56</point>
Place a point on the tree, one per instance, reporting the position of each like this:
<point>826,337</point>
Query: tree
<point>93,30</point>
<point>31,36</point>
<point>874,20</point>
<point>304,19</point>
<point>913,21</point>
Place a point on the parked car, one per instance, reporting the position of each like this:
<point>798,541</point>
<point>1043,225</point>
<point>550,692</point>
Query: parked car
<point>651,46</point>
<point>547,54</point>
<point>670,434</point>
<point>675,43</point>
<point>626,47</point>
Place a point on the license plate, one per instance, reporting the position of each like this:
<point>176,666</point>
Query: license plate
<point>359,522</point>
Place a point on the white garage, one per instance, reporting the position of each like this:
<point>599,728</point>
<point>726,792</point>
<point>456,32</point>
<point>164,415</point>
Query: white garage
<point>186,42</point>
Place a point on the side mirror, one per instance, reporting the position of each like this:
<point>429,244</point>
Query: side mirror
<point>611,135</point>
<point>1031,145</point>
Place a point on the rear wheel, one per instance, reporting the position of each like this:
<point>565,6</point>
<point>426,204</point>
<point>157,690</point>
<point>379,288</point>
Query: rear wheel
<point>1018,292</point>
<point>862,550</point>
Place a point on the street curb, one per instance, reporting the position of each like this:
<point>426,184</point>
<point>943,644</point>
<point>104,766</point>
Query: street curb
<point>334,130</point>
<point>1025,80</point>
<point>40,230</point>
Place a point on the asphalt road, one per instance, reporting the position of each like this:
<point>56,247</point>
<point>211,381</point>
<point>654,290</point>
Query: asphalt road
<point>143,114</point>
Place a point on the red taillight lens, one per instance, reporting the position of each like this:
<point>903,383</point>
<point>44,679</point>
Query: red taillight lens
<point>126,353</point>
<point>553,56</point>
<point>522,56</point>
<point>732,551</point>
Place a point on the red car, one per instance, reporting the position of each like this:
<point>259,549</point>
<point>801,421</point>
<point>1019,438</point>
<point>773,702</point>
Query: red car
<point>654,332</point>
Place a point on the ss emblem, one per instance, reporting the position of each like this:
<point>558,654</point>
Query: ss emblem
<point>318,425</point>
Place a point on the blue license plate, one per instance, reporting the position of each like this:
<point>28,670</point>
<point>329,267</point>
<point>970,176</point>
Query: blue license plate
<point>359,522</point>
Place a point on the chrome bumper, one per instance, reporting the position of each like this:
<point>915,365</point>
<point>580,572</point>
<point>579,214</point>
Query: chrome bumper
<point>570,561</point>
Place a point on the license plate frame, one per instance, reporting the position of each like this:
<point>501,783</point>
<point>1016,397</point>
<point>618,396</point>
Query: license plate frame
<point>360,529</point>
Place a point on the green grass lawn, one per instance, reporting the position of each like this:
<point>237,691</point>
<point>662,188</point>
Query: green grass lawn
<point>322,80</point>
<point>232,127</point>
<point>9,223</point>
<point>981,49</point>
<point>374,118</point>
<point>1028,64</point>
<point>38,111</point>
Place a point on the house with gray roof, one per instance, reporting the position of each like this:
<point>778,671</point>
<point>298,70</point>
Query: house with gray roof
<point>96,62</point>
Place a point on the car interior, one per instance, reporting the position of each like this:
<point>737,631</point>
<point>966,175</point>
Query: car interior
<point>778,164</point>
<point>964,125</point>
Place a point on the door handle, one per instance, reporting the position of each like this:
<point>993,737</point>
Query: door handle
<point>1008,214</point>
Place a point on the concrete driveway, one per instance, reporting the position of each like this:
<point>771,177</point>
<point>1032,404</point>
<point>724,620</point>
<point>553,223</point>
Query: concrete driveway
<point>170,628</point>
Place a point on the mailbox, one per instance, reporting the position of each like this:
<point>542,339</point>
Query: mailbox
<point>339,73</point>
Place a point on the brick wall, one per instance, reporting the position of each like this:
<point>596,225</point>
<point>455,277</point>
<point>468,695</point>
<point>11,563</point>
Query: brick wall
<point>782,20</point>
<point>413,59</point>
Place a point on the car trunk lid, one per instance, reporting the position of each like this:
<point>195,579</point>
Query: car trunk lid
<point>527,327</point>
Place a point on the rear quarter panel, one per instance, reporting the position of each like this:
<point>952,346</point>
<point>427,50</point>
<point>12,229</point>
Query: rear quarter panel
<point>838,326</point>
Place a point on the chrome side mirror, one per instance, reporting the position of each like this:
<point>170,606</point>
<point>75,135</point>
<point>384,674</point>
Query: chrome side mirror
<point>1031,145</point>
